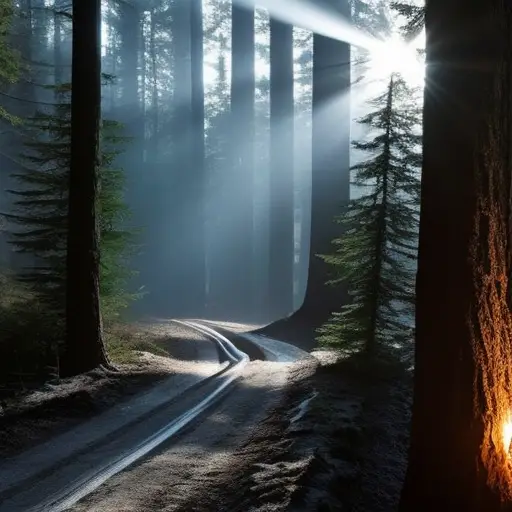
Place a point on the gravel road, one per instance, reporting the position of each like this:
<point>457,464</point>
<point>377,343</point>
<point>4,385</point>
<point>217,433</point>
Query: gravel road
<point>181,468</point>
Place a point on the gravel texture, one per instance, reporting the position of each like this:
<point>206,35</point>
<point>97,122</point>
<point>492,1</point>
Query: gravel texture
<point>62,404</point>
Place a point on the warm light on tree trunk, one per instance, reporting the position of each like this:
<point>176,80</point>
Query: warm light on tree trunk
<point>463,375</point>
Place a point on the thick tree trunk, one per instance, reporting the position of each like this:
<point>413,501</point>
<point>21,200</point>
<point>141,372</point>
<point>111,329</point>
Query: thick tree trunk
<point>241,246</point>
<point>84,342</point>
<point>281,245</point>
<point>330,179</point>
<point>463,369</point>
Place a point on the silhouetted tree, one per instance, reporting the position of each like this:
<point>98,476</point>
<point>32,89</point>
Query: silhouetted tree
<point>84,349</point>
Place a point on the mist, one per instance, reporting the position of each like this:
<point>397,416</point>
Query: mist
<point>217,184</point>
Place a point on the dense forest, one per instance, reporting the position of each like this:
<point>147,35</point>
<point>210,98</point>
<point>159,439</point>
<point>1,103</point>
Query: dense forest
<point>334,176</point>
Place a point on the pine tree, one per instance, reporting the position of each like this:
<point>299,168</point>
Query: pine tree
<point>373,258</point>
<point>414,16</point>
<point>41,207</point>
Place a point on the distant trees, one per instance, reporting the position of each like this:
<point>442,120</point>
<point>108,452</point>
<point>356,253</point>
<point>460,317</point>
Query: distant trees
<point>84,348</point>
<point>196,242</point>
<point>374,257</point>
<point>460,438</point>
<point>240,249</point>
<point>331,162</point>
<point>281,183</point>
<point>330,169</point>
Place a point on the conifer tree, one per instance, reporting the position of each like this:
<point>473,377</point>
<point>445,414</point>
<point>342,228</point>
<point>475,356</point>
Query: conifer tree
<point>375,256</point>
<point>41,207</point>
<point>414,16</point>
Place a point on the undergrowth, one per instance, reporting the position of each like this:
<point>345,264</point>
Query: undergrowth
<point>31,335</point>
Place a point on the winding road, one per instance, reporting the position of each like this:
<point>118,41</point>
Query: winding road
<point>175,436</point>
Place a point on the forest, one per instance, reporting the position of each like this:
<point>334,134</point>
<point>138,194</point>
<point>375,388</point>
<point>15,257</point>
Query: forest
<point>255,255</point>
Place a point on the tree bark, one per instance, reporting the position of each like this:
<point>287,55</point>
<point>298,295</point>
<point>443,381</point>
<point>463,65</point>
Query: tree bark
<point>85,349</point>
<point>463,367</point>
<point>281,244</point>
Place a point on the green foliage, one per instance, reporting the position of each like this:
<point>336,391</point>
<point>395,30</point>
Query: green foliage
<point>9,63</point>
<point>375,256</point>
<point>9,58</point>
<point>41,207</point>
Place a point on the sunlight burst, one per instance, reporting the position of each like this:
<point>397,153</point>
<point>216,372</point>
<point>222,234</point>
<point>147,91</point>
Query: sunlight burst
<point>396,56</point>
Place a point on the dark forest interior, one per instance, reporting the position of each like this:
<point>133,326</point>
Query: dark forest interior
<point>255,255</point>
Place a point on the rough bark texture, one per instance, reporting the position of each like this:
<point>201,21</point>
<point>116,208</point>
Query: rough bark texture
<point>84,343</point>
<point>330,178</point>
<point>281,170</point>
<point>463,373</point>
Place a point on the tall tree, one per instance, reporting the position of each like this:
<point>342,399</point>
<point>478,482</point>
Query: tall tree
<point>84,349</point>
<point>196,242</point>
<point>281,244</point>
<point>331,152</point>
<point>460,437</point>
<point>242,143</point>
<point>330,176</point>
<point>375,256</point>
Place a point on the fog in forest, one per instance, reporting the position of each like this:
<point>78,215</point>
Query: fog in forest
<point>209,195</point>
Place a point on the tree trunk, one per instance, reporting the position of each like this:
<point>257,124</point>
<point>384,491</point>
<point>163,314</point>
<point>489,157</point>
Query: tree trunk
<point>281,242</point>
<point>330,179</point>
<point>463,369</point>
<point>129,110</point>
<point>85,349</point>
<point>240,290</point>
<point>57,48</point>
<point>196,242</point>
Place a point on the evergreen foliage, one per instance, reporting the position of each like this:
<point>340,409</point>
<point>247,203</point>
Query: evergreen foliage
<point>41,211</point>
<point>375,256</point>
<point>414,18</point>
<point>9,61</point>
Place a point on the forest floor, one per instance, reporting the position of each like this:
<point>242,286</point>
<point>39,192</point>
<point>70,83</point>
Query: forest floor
<point>144,356</point>
<point>336,441</point>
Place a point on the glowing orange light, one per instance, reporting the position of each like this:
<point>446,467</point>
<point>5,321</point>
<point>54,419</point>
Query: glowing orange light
<point>507,434</point>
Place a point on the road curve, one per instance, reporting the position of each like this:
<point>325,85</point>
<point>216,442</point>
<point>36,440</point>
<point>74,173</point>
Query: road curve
<point>42,483</point>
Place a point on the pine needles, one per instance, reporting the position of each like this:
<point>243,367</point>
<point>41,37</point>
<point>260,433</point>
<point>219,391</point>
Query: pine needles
<point>375,256</point>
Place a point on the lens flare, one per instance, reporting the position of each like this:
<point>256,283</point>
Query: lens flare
<point>396,56</point>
